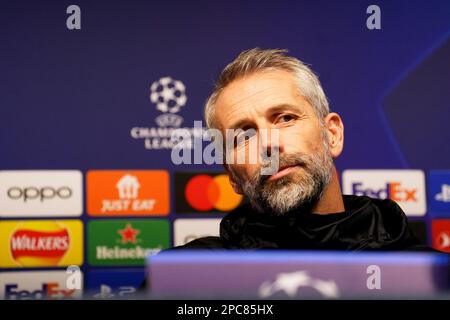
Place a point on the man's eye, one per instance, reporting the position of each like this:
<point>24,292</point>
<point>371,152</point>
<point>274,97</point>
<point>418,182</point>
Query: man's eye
<point>285,118</point>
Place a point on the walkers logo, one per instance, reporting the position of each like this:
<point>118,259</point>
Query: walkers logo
<point>125,242</point>
<point>439,192</point>
<point>406,187</point>
<point>202,192</point>
<point>36,285</point>
<point>119,193</point>
<point>41,243</point>
<point>50,244</point>
<point>36,193</point>
<point>186,230</point>
<point>440,232</point>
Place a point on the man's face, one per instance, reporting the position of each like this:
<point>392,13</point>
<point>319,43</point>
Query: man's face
<point>270,100</point>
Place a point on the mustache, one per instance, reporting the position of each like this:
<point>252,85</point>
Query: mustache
<point>295,159</point>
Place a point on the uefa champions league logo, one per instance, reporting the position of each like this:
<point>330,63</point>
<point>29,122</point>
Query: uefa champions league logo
<point>168,94</point>
<point>289,283</point>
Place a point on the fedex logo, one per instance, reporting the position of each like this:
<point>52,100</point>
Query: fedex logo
<point>47,291</point>
<point>392,190</point>
<point>36,285</point>
<point>406,187</point>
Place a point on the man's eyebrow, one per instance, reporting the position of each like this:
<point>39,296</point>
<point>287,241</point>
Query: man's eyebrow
<point>240,124</point>
<point>270,111</point>
<point>284,107</point>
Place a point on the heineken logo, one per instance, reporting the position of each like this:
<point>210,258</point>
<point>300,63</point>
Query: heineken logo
<point>128,234</point>
<point>125,242</point>
<point>117,253</point>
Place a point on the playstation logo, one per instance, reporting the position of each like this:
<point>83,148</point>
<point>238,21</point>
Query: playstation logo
<point>444,195</point>
<point>439,193</point>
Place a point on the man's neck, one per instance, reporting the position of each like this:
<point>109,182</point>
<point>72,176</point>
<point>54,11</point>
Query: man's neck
<point>331,201</point>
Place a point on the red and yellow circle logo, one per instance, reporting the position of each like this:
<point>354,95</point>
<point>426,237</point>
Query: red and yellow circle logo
<point>204,193</point>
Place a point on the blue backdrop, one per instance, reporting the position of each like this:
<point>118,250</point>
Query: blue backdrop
<point>69,98</point>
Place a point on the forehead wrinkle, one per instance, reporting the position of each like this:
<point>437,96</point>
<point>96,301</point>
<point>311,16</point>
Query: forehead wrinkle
<point>250,96</point>
<point>237,111</point>
<point>247,99</point>
<point>234,108</point>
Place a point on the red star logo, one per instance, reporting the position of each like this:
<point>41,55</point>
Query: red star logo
<point>128,234</point>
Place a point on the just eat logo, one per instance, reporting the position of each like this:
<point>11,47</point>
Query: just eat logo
<point>406,187</point>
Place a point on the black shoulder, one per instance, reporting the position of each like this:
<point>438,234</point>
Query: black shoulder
<point>203,243</point>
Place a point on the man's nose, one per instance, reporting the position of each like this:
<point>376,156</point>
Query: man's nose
<point>270,142</point>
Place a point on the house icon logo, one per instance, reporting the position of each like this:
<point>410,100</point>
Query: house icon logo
<point>128,187</point>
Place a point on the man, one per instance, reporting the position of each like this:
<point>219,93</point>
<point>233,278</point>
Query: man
<point>301,205</point>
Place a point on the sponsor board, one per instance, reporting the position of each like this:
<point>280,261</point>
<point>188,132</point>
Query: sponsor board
<point>114,284</point>
<point>440,234</point>
<point>186,230</point>
<point>439,193</point>
<point>127,192</point>
<point>204,192</point>
<point>36,285</point>
<point>41,193</point>
<point>406,187</point>
<point>125,242</point>
<point>41,243</point>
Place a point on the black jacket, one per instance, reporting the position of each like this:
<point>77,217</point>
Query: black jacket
<point>366,224</point>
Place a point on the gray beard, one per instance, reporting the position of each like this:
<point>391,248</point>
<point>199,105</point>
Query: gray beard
<point>301,189</point>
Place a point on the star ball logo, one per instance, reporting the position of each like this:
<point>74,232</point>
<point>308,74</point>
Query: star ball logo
<point>204,192</point>
<point>121,192</point>
<point>125,242</point>
<point>169,96</point>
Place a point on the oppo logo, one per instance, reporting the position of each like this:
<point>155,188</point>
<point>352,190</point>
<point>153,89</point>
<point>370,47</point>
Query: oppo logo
<point>41,194</point>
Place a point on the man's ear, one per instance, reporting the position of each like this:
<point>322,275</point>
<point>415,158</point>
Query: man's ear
<point>335,132</point>
<point>236,187</point>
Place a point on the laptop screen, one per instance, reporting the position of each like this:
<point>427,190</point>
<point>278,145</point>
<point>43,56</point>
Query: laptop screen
<point>296,274</point>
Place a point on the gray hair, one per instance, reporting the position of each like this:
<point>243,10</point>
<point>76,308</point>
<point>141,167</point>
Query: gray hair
<point>254,60</point>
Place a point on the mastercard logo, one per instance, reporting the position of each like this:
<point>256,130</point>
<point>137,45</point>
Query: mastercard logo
<point>205,193</point>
